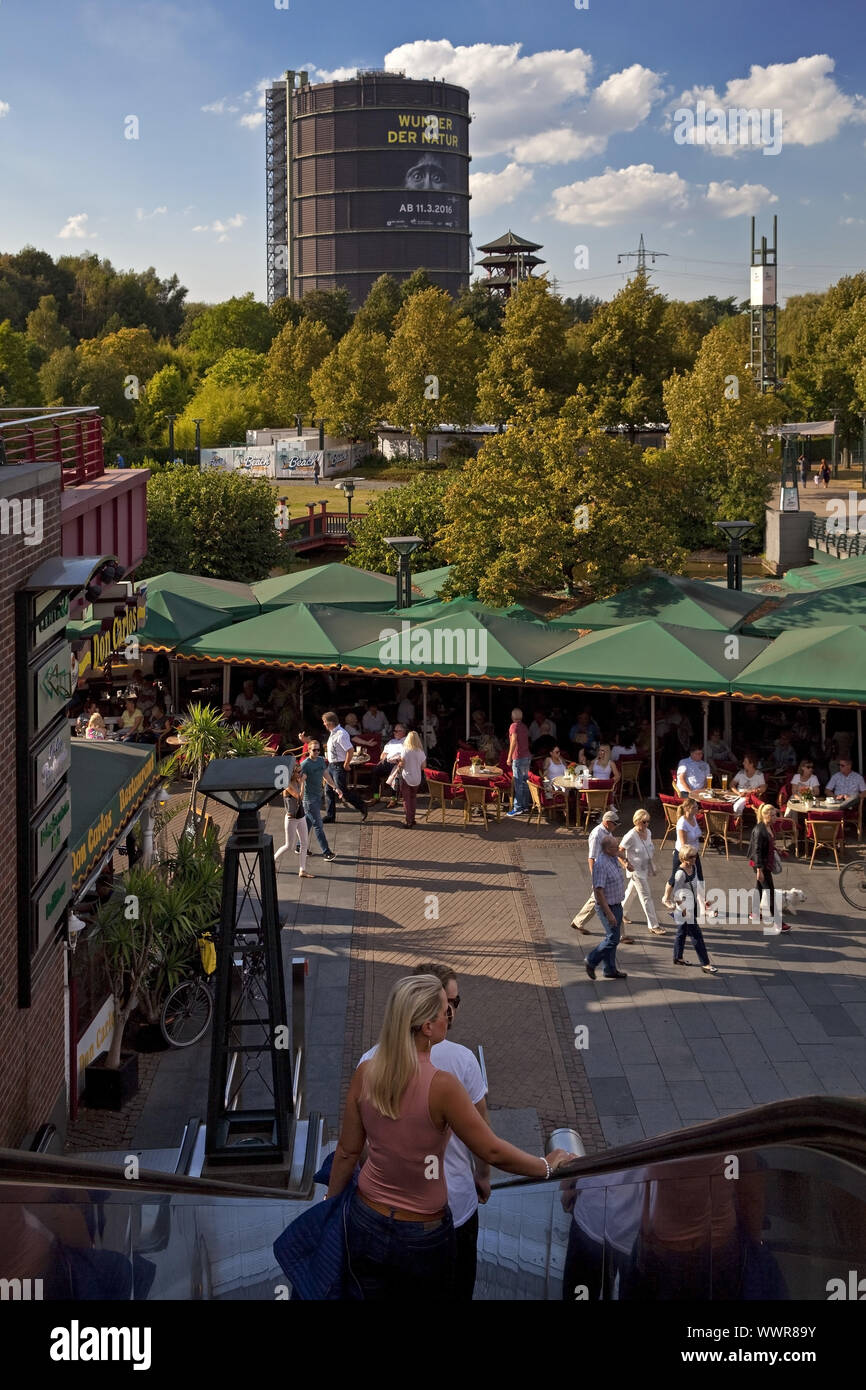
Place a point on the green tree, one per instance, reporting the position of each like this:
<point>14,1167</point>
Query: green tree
<point>285,311</point>
<point>168,392</point>
<point>238,367</point>
<point>718,459</point>
<point>333,308</point>
<point>240,322</point>
<point>381,307</point>
<point>19,384</point>
<point>433,361</point>
<point>823,380</point>
<point>530,362</point>
<point>57,377</point>
<point>44,327</point>
<point>630,345</point>
<point>553,502</point>
<point>418,280</point>
<point>582,307</point>
<point>350,389</point>
<point>227,412</point>
<point>295,354</point>
<point>795,326</point>
<point>220,525</point>
<point>415,509</point>
<point>482,307</point>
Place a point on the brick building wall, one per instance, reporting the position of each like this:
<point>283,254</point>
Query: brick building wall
<point>32,1041</point>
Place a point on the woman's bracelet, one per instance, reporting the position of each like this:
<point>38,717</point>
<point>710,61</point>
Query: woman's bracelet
<point>547,1166</point>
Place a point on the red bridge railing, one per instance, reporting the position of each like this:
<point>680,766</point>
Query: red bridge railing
<point>71,437</point>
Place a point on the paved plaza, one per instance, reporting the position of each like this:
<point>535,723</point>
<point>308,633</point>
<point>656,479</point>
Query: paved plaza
<point>667,1047</point>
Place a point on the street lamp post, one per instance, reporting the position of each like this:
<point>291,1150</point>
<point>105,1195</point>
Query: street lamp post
<point>404,546</point>
<point>250,1079</point>
<point>198,424</point>
<point>349,489</point>
<point>170,420</point>
<point>735,530</point>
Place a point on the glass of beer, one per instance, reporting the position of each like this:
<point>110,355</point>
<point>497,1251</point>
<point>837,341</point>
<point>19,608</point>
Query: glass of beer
<point>724,781</point>
<point>710,783</point>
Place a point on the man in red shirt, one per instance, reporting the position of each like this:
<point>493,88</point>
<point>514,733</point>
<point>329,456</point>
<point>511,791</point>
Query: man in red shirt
<point>519,761</point>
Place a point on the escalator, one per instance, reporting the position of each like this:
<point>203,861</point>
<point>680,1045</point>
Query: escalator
<point>763,1205</point>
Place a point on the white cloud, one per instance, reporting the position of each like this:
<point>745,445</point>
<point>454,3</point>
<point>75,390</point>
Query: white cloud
<point>222,228</point>
<point>621,195</point>
<point>231,106</point>
<point>814,109</point>
<point>76,228</point>
<point>252,120</point>
<point>142,216</point>
<point>729,201</point>
<point>852,222</point>
<point>490,191</point>
<point>221,107</point>
<point>5,108</point>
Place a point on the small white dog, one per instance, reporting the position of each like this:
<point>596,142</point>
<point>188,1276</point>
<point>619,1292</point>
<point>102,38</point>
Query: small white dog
<point>790,898</point>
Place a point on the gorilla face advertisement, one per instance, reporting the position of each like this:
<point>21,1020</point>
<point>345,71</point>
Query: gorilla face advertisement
<point>427,199</point>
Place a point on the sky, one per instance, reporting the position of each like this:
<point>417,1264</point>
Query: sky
<point>587,129</point>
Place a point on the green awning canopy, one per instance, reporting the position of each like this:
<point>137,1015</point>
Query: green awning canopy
<point>226,598</point>
<point>827,576</point>
<point>334,584</point>
<point>80,628</point>
<point>173,618</point>
<point>293,635</point>
<point>667,598</point>
<point>429,582</point>
<point>466,642</point>
<point>832,607</point>
<point>650,656</point>
<point>107,784</point>
<point>815,666</point>
<point>432,608</point>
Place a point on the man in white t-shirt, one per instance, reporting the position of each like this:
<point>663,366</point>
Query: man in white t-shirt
<point>375,720</point>
<point>751,781</point>
<point>693,772</point>
<point>466,1177</point>
<point>845,783</point>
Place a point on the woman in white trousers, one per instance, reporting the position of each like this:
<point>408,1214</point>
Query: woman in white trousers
<point>636,847</point>
<point>297,830</point>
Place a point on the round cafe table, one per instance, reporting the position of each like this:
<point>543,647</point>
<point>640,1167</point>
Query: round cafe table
<point>796,807</point>
<point>485,771</point>
<point>569,784</point>
<point>717,795</point>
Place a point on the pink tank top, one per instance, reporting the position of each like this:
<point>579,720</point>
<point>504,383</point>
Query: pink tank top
<point>406,1158</point>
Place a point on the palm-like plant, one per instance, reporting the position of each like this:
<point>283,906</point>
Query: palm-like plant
<point>206,735</point>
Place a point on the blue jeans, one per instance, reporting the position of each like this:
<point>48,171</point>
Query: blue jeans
<point>398,1261</point>
<point>690,928</point>
<point>313,809</point>
<point>338,772</point>
<point>520,770</point>
<point>606,950</point>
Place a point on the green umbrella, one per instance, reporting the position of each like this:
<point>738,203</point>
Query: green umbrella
<point>668,598</point>
<point>458,641</point>
<point>334,584</point>
<point>296,634</point>
<point>222,595</point>
<point>816,666</point>
<point>832,607</point>
<point>649,656</point>
<point>429,582</point>
<point>829,576</point>
<point>171,618</point>
<point>432,608</point>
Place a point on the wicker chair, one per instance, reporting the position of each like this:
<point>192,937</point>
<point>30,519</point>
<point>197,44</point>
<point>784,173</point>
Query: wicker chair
<point>629,776</point>
<point>441,791</point>
<point>478,798</point>
<point>826,829</point>
<point>672,808</point>
<point>720,822</point>
<point>542,803</point>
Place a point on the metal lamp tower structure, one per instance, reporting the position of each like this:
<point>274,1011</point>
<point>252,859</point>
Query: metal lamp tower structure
<point>763,359</point>
<point>641,254</point>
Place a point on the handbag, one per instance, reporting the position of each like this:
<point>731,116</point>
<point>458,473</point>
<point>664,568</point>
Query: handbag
<point>777,862</point>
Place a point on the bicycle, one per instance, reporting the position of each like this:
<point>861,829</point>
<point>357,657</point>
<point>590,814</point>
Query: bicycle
<point>188,1008</point>
<point>852,883</point>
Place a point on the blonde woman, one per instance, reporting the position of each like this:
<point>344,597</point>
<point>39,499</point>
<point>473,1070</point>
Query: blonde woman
<point>410,767</point>
<point>603,769</point>
<point>399,1232</point>
<point>636,849</point>
<point>688,910</point>
<point>296,826</point>
<point>95,726</point>
<point>689,836</point>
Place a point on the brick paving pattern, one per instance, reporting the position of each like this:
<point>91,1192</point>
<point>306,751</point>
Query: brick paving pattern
<point>490,931</point>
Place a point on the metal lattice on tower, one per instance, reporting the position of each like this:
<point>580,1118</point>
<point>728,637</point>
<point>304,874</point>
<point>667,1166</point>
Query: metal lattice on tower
<point>641,253</point>
<point>278,177</point>
<point>763,358</point>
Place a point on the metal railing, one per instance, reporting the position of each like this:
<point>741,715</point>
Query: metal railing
<point>71,437</point>
<point>320,525</point>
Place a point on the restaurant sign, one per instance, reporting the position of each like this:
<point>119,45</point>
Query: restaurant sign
<point>110,824</point>
<point>49,764</point>
<point>50,687</point>
<point>51,832</point>
<point>51,903</point>
<point>104,644</point>
<point>48,618</point>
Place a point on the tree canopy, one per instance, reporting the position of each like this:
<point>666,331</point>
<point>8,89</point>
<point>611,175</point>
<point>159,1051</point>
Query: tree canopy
<point>220,525</point>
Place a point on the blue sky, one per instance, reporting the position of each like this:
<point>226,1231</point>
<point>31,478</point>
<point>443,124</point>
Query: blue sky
<point>572,143</point>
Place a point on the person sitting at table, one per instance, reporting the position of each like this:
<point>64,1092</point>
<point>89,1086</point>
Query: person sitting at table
<point>541,727</point>
<point>554,765</point>
<point>157,724</point>
<point>717,750</point>
<point>784,753</point>
<point>391,755</point>
<point>489,746</point>
<point>248,702</point>
<point>750,781</point>
<point>95,726</point>
<point>804,779</point>
<point>476,727</point>
<point>603,768</point>
<point>131,722</point>
<point>147,694</point>
<point>845,783</point>
<point>585,733</point>
<point>693,773</point>
<point>625,747</point>
<point>83,719</point>
<point>228,713</point>
<point>375,721</point>
<point>360,739</point>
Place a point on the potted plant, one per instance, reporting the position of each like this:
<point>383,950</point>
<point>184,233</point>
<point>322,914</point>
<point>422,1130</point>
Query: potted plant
<point>206,735</point>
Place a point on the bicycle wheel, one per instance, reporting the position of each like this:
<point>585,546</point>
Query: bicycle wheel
<point>186,1013</point>
<point>852,884</point>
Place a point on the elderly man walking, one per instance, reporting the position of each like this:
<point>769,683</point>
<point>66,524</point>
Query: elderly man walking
<point>606,826</point>
<point>608,882</point>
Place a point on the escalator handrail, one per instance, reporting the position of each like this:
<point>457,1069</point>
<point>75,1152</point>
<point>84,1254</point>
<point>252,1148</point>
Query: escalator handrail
<point>836,1125</point>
